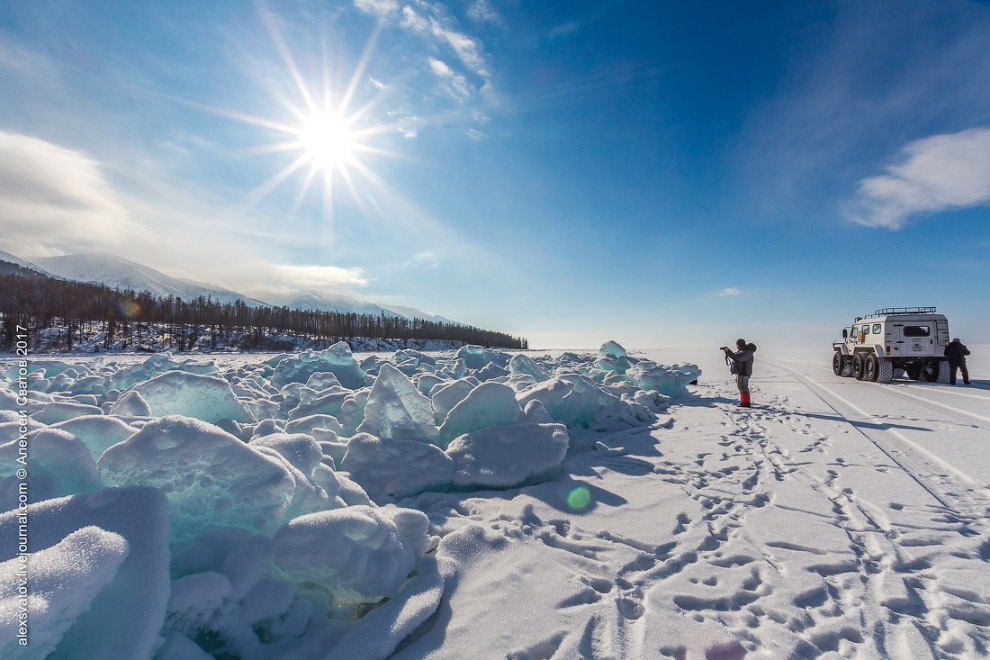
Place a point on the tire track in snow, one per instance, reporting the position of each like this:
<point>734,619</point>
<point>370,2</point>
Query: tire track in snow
<point>929,403</point>
<point>924,467</point>
<point>900,596</point>
<point>931,388</point>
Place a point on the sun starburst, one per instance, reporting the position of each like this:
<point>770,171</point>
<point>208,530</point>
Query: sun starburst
<point>327,140</point>
<point>331,142</point>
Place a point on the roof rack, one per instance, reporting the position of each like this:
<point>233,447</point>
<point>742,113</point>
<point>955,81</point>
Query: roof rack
<point>894,311</point>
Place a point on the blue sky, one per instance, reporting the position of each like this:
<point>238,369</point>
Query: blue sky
<point>661,174</point>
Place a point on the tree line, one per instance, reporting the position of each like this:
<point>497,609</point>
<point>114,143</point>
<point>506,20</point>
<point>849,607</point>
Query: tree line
<point>126,319</point>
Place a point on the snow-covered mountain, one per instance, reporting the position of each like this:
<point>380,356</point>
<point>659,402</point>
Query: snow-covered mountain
<point>23,263</point>
<point>316,300</point>
<point>122,273</point>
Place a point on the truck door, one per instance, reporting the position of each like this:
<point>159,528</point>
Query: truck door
<point>942,326</point>
<point>918,338</point>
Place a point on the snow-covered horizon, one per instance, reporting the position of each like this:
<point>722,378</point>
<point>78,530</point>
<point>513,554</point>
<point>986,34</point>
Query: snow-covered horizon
<point>480,504</point>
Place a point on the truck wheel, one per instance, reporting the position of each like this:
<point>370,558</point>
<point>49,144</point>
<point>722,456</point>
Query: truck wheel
<point>943,371</point>
<point>858,366</point>
<point>913,371</point>
<point>841,365</point>
<point>885,371</point>
<point>930,371</point>
<point>871,367</point>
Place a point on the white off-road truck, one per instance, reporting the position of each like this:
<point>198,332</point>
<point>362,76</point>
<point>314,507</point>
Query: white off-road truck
<point>894,342</point>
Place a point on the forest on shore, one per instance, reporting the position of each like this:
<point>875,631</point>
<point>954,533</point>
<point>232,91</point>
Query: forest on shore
<point>62,315</point>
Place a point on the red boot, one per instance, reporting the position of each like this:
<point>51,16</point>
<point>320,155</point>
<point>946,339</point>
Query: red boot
<point>743,400</point>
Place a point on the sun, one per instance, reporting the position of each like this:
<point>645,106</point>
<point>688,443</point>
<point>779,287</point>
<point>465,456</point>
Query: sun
<point>327,141</point>
<point>327,137</point>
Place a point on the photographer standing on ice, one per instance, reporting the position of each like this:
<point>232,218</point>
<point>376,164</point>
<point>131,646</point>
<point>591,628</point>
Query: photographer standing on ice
<point>742,366</point>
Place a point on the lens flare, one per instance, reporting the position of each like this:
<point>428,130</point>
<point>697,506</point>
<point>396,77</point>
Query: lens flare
<point>579,497</point>
<point>129,309</point>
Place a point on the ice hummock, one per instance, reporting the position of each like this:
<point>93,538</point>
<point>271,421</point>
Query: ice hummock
<point>251,512</point>
<point>336,360</point>
<point>209,476</point>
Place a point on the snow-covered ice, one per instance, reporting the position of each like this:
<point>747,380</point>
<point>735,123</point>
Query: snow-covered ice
<point>480,504</point>
<point>113,596</point>
<point>63,582</point>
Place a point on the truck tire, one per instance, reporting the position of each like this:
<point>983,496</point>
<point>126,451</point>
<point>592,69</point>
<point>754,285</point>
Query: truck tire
<point>871,367</point>
<point>841,364</point>
<point>943,371</point>
<point>913,371</point>
<point>930,371</point>
<point>858,366</point>
<point>885,371</point>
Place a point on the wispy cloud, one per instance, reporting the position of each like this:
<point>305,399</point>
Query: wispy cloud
<point>565,29</point>
<point>380,8</point>
<point>426,259</point>
<point>411,20</point>
<point>471,81</point>
<point>729,292</point>
<point>831,112</point>
<point>938,173</point>
<point>455,84</point>
<point>54,199</point>
<point>481,11</point>
<point>574,26</point>
<point>316,277</point>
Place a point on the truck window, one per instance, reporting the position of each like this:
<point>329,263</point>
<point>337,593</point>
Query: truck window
<point>917,331</point>
<point>876,328</point>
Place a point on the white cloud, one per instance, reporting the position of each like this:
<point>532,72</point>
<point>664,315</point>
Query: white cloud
<point>427,259</point>
<point>54,199</point>
<point>482,11</point>
<point>455,83</point>
<point>440,68</point>
<point>938,173</point>
<point>380,8</point>
<point>467,49</point>
<point>436,26</point>
<point>312,277</point>
<point>729,292</point>
<point>413,21</point>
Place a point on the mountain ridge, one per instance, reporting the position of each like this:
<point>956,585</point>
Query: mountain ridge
<point>118,272</point>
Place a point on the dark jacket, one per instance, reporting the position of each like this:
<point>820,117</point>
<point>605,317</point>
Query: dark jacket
<point>956,351</point>
<point>743,359</point>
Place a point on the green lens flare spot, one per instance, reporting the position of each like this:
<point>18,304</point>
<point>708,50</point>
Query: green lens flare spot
<point>579,498</point>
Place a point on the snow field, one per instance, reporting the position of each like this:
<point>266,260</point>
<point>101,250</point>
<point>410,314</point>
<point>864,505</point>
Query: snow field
<point>245,507</point>
<point>838,519</point>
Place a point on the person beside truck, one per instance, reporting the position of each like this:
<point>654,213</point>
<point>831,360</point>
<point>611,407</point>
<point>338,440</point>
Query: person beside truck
<point>956,352</point>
